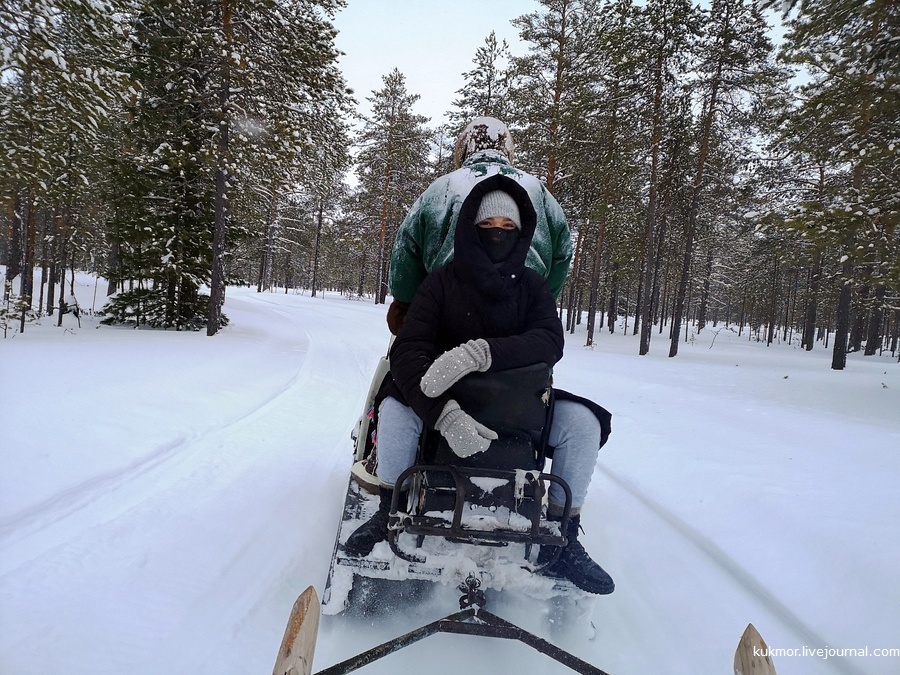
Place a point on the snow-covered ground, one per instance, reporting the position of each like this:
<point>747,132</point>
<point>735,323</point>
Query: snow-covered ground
<point>164,497</point>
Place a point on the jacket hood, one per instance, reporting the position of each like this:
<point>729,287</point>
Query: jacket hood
<point>488,156</point>
<point>469,256</point>
<point>483,133</point>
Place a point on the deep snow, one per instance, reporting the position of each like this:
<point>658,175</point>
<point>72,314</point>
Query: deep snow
<point>164,497</point>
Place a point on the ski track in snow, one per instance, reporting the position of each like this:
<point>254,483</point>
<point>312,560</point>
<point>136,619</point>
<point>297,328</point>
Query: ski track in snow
<point>717,556</point>
<point>107,485</point>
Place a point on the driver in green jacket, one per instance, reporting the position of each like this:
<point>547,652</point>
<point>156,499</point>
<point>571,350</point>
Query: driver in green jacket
<point>425,239</point>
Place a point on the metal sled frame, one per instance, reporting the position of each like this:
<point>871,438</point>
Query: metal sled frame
<point>532,482</point>
<point>423,526</point>
<point>472,620</point>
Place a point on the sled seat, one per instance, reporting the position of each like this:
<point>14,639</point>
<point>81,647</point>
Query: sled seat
<point>448,492</point>
<point>514,403</point>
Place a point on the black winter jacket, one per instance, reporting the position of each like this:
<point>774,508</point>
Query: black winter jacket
<point>506,304</point>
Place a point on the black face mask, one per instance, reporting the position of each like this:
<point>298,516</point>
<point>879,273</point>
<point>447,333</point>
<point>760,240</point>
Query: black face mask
<point>498,242</point>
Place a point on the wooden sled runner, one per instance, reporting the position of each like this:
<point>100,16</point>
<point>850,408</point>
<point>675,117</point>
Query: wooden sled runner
<point>299,643</point>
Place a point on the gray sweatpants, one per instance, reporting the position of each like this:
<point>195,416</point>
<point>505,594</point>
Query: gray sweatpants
<point>574,435</point>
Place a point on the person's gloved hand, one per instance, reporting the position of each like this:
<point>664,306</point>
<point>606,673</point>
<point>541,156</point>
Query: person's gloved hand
<point>451,366</point>
<point>395,315</point>
<point>464,435</point>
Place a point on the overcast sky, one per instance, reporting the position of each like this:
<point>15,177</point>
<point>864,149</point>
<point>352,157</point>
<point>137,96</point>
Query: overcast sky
<point>431,42</point>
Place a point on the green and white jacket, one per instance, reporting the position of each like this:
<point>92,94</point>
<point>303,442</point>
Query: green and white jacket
<point>425,239</point>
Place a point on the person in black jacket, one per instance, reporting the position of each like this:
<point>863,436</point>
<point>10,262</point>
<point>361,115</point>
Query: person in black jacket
<point>485,310</point>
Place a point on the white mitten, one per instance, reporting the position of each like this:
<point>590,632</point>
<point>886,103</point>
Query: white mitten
<point>451,366</point>
<point>464,434</point>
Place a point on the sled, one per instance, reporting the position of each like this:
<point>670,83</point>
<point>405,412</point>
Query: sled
<point>493,503</point>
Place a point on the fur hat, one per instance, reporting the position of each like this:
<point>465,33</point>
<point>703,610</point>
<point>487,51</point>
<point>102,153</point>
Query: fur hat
<point>483,133</point>
<point>499,203</point>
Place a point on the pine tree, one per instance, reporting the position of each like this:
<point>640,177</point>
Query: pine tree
<point>233,102</point>
<point>486,89</point>
<point>551,86</point>
<point>849,112</point>
<point>667,31</point>
<point>735,73</point>
<point>281,98</point>
<point>391,165</point>
<point>58,86</point>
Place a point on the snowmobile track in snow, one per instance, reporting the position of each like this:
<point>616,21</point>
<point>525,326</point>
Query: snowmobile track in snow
<point>727,564</point>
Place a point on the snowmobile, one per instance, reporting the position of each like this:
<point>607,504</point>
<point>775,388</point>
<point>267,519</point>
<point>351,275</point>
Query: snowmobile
<point>493,501</point>
<point>477,523</point>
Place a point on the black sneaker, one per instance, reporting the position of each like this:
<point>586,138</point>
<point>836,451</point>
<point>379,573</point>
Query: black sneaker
<point>374,530</point>
<point>575,565</point>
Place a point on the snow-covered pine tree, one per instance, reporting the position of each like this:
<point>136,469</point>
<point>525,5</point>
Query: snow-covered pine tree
<point>282,100</point>
<point>848,112</point>
<point>486,89</point>
<point>735,74</point>
<point>603,188</point>
<point>392,165</point>
<point>665,43</point>
<point>162,222</point>
<point>233,101</point>
<point>57,85</point>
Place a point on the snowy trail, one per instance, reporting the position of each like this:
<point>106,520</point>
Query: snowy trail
<point>108,490</point>
<point>189,488</point>
<point>116,539</point>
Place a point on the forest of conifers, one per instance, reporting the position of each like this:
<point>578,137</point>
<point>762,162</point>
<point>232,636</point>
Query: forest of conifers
<point>711,173</point>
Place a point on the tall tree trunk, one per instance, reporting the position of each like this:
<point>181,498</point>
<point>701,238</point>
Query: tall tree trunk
<point>573,282</point>
<point>697,188</point>
<point>613,299</point>
<point>381,291</point>
<point>694,213</point>
<point>812,301</point>
<point>839,356</point>
<point>842,327</point>
<point>64,247</point>
<point>315,275</point>
<point>360,291</point>
<point>217,285</point>
<point>27,286</point>
<point>651,251</point>
<point>773,304</point>
<point>704,291</point>
<point>595,282</point>
<point>173,315</point>
<point>113,264</point>
<point>876,322</point>
<point>558,92</point>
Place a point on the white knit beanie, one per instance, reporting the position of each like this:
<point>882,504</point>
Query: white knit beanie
<point>499,203</point>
